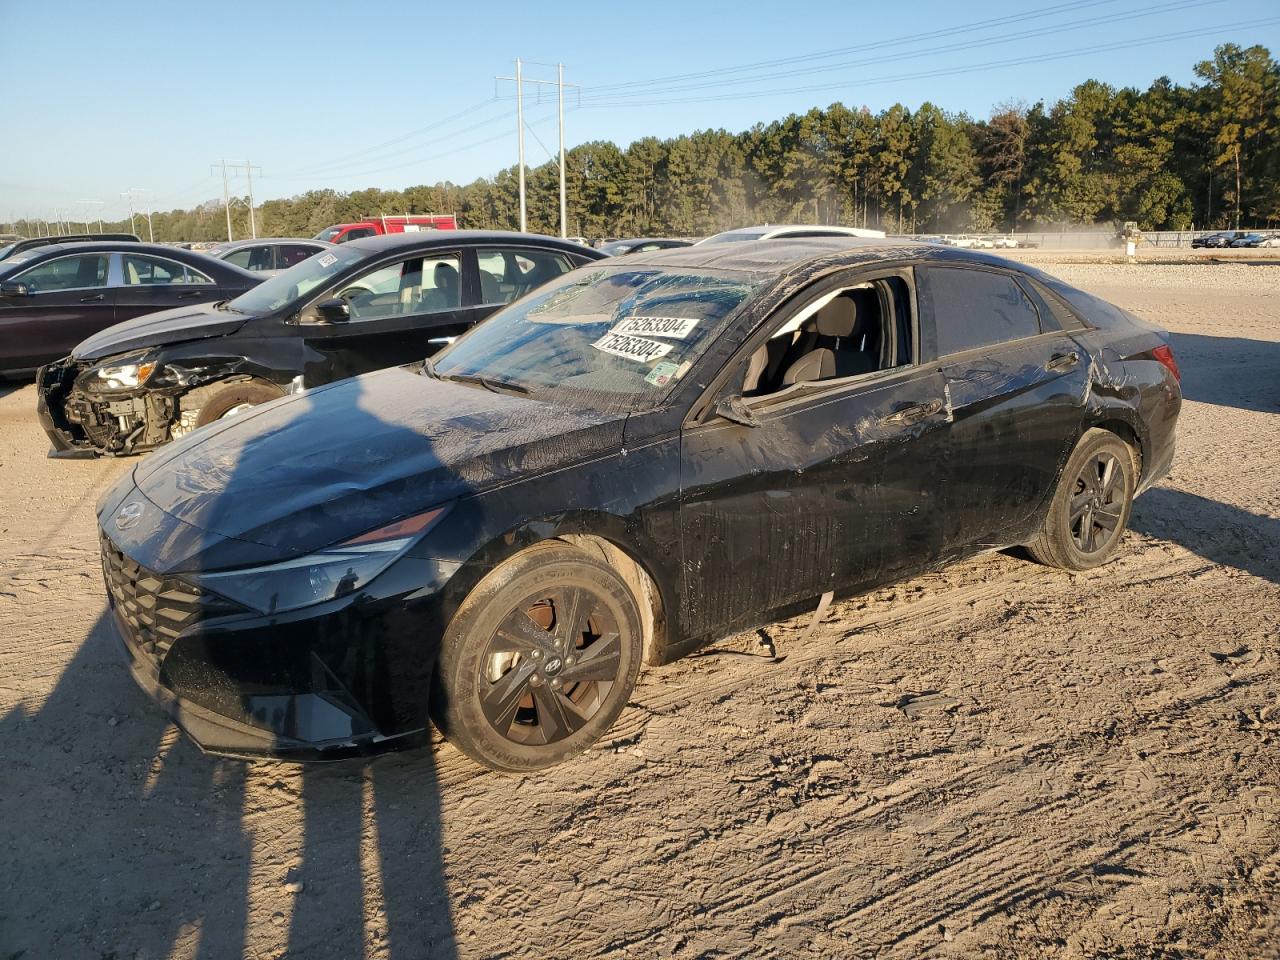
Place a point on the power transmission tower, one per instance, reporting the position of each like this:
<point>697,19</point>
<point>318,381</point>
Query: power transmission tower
<point>151,234</point>
<point>559,84</point>
<point>249,167</point>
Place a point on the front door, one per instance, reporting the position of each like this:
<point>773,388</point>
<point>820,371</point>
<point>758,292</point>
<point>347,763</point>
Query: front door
<point>397,310</point>
<point>836,485</point>
<point>69,300</point>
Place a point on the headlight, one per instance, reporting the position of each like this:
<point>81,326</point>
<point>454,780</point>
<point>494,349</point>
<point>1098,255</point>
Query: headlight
<point>118,376</point>
<point>325,575</point>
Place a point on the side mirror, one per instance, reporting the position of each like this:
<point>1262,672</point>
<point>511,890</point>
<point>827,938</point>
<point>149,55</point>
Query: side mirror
<point>334,311</point>
<point>735,409</point>
<point>16,288</point>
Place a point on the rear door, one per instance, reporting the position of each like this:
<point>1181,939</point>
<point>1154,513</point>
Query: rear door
<point>1015,384</point>
<point>150,283</point>
<point>70,300</point>
<point>397,310</point>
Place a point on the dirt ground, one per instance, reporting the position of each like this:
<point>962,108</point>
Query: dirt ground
<point>999,760</point>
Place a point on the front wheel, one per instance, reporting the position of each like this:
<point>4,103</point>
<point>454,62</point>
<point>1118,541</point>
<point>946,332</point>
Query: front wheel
<point>1091,506</point>
<point>539,660</point>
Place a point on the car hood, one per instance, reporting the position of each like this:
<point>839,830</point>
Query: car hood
<point>165,327</point>
<point>309,470</point>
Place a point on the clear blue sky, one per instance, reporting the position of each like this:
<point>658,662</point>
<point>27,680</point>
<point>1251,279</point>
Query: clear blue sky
<point>100,97</point>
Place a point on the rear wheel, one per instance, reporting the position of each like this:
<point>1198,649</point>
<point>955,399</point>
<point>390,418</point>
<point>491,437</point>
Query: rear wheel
<point>539,660</point>
<point>1091,506</point>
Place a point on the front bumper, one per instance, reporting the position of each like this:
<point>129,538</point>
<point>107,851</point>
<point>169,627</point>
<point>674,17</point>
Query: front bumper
<point>350,677</point>
<point>122,422</point>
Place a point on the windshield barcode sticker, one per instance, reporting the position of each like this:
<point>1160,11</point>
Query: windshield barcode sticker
<point>326,259</point>
<point>675,327</point>
<point>632,348</point>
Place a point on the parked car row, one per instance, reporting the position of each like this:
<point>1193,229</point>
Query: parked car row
<point>1237,239</point>
<point>475,479</point>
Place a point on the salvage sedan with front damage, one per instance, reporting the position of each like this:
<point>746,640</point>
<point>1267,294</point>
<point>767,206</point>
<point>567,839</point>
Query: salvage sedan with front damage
<point>637,459</point>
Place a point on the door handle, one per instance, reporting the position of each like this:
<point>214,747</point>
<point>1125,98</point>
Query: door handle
<point>912,413</point>
<point>96,298</point>
<point>1062,361</point>
<point>189,295</point>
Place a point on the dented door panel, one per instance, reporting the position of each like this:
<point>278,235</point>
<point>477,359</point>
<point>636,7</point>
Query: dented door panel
<point>828,492</point>
<point>1016,411</point>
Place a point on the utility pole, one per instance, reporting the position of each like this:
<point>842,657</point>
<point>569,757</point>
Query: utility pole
<point>560,85</point>
<point>226,195</point>
<point>132,226</point>
<point>151,234</point>
<point>520,138</point>
<point>564,220</point>
<point>93,203</point>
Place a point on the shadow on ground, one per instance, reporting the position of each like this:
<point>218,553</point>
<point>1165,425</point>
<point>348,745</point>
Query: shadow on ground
<point>1229,371</point>
<point>1216,531</point>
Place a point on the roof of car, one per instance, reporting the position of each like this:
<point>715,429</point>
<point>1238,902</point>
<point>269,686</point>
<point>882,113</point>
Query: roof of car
<point>444,238</point>
<point>260,241</point>
<point>781,255</point>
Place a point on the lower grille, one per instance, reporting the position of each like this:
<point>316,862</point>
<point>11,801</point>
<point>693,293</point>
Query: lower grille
<point>154,608</point>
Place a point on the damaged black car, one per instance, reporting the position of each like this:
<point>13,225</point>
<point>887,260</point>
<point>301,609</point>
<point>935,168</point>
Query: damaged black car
<point>368,304</point>
<point>640,458</point>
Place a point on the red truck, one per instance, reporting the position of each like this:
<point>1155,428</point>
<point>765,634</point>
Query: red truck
<point>375,226</point>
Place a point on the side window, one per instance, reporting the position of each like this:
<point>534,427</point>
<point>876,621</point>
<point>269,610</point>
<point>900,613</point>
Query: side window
<point>359,233</point>
<point>293,253</point>
<point>147,272</point>
<point>67,273</point>
<point>240,258</point>
<point>507,275</point>
<point>976,308</point>
<point>847,332</point>
<point>418,285</point>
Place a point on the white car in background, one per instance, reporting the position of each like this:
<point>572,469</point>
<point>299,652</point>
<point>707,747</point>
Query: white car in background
<point>777,231</point>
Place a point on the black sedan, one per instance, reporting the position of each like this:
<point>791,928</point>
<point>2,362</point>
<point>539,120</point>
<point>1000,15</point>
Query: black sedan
<point>368,304</point>
<point>636,460</point>
<point>52,297</point>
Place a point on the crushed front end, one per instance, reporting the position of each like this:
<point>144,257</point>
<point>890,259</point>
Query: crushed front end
<point>93,408</point>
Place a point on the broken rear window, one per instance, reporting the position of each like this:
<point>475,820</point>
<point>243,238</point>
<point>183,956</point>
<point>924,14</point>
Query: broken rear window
<point>609,338</point>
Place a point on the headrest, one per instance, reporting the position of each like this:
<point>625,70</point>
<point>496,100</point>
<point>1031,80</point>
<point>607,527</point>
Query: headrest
<point>837,318</point>
<point>445,273</point>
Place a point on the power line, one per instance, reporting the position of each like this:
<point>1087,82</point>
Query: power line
<point>945,72</point>
<point>873,45</point>
<point>1162,8</point>
<point>371,152</point>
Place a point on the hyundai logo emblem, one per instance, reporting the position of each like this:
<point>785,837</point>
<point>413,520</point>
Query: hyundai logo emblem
<point>129,515</point>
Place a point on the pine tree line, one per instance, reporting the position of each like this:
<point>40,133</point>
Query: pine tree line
<point>1168,157</point>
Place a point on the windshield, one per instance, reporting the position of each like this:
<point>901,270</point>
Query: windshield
<point>734,236</point>
<point>328,233</point>
<point>296,282</point>
<point>616,339</point>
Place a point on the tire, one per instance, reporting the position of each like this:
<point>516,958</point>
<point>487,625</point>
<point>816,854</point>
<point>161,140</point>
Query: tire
<point>514,689</point>
<point>1090,508</point>
<point>220,399</point>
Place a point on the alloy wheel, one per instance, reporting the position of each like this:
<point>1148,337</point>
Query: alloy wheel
<point>549,666</point>
<point>1097,503</point>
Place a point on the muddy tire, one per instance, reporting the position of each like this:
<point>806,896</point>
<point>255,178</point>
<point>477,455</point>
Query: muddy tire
<point>539,660</point>
<point>218,400</point>
<point>1090,508</point>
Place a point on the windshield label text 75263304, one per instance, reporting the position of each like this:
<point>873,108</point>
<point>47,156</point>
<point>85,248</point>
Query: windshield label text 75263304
<point>675,327</point>
<point>632,348</point>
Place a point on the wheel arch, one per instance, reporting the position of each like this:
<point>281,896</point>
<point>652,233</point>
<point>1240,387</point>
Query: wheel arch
<point>1126,425</point>
<point>606,537</point>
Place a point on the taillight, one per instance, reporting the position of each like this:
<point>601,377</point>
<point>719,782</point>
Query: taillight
<point>1165,355</point>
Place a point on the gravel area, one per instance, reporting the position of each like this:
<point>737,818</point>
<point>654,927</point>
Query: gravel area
<point>995,760</point>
